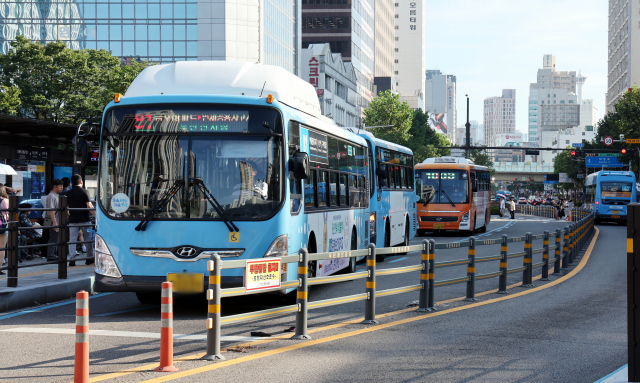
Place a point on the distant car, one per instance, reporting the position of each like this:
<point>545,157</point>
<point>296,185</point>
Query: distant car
<point>522,201</point>
<point>548,201</point>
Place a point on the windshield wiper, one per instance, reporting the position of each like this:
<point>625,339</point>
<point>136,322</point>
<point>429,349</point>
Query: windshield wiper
<point>160,204</point>
<point>446,195</point>
<point>214,203</point>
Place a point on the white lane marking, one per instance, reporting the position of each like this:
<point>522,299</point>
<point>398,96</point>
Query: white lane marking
<point>399,259</point>
<point>128,334</point>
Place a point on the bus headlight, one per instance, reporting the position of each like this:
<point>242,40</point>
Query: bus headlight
<point>465,218</point>
<point>279,247</point>
<point>105,264</point>
<point>372,224</point>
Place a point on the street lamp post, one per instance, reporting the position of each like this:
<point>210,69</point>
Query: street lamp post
<point>468,125</point>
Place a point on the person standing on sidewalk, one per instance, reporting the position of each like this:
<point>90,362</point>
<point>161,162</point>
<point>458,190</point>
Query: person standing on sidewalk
<point>78,197</point>
<point>52,218</point>
<point>4,219</point>
<point>501,205</point>
<point>512,208</point>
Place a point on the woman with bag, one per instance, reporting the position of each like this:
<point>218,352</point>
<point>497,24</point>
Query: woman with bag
<point>4,219</point>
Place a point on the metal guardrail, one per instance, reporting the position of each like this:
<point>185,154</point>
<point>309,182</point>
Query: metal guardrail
<point>13,248</point>
<point>567,245</point>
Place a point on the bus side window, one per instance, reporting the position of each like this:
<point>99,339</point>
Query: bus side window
<point>343,190</point>
<point>353,191</point>
<point>296,195</point>
<point>333,189</point>
<point>401,177</point>
<point>392,176</point>
<point>322,189</point>
<point>310,190</point>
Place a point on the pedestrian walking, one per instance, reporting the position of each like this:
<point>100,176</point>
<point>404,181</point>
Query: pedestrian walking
<point>502,207</point>
<point>78,197</point>
<point>53,217</point>
<point>4,222</point>
<point>512,208</point>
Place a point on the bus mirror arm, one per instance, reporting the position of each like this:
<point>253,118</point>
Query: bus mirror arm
<point>300,164</point>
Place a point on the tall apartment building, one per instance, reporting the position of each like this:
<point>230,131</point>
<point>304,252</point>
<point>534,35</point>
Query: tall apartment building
<point>476,133</point>
<point>551,87</point>
<point>409,65</point>
<point>624,49</point>
<point>384,30</point>
<point>499,116</point>
<point>440,97</point>
<point>349,28</point>
<point>267,31</point>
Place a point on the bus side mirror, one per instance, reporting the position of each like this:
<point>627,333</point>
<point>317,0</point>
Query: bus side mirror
<point>81,153</point>
<point>300,165</point>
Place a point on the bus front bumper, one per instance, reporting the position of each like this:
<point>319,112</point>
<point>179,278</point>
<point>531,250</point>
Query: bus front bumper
<point>145,284</point>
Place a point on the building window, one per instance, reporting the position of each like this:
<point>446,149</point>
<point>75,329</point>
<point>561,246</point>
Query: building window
<point>397,4</point>
<point>395,72</point>
<point>396,49</point>
<point>567,142</point>
<point>397,27</point>
<point>396,39</point>
<point>395,61</point>
<point>397,16</point>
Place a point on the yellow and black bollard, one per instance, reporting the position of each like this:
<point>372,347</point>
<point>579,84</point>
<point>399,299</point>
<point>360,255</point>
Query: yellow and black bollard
<point>471,271</point>
<point>545,257</point>
<point>423,302</point>
<point>370,303</point>
<point>213,313</point>
<point>302,296</point>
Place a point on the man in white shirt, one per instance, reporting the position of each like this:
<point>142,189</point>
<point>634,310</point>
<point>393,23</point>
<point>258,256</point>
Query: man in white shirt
<point>52,218</point>
<point>502,207</point>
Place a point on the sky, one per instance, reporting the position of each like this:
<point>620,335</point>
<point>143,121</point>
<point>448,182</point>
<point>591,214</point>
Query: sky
<point>490,45</point>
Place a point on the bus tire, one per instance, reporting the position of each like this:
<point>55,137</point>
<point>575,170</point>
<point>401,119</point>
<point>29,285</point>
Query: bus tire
<point>311,266</point>
<point>387,241</point>
<point>406,235</point>
<point>149,298</point>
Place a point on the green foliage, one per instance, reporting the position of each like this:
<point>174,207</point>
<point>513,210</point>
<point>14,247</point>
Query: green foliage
<point>424,139</point>
<point>625,120</point>
<point>408,128</point>
<point>55,83</point>
<point>480,157</point>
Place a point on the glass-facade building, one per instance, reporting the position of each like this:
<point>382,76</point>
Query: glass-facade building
<point>162,31</point>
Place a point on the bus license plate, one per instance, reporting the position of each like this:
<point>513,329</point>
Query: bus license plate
<point>438,226</point>
<point>186,282</point>
<point>615,216</point>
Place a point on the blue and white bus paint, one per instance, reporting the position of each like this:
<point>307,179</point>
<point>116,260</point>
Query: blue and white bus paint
<point>140,260</point>
<point>609,193</point>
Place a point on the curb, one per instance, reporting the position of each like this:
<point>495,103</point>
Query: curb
<point>29,296</point>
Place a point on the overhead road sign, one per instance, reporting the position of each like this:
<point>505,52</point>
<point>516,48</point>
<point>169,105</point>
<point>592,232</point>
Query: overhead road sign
<point>633,140</point>
<point>532,152</point>
<point>578,145</point>
<point>608,140</point>
<point>607,162</point>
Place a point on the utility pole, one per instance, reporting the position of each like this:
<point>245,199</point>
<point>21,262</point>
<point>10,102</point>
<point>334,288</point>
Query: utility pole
<point>468,125</point>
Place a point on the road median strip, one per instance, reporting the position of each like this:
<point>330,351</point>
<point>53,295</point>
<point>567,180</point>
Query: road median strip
<point>295,346</point>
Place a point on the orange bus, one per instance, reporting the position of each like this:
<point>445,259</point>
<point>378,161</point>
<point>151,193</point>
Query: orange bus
<point>454,193</point>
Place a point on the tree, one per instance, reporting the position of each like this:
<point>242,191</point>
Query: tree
<point>480,157</point>
<point>424,139</point>
<point>386,109</point>
<point>55,83</point>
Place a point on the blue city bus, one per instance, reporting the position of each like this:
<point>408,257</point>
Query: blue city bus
<point>609,193</point>
<point>227,158</point>
<point>393,219</point>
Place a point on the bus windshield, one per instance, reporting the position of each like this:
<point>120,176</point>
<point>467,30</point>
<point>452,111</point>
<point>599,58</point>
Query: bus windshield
<point>143,162</point>
<point>442,186</point>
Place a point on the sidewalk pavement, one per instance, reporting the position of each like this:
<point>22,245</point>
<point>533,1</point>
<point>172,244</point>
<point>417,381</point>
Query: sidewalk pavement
<point>40,284</point>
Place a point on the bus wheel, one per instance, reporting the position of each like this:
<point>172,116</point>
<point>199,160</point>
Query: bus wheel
<point>387,241</point>
<point>406,236</point>
<point>483,229</point>
<point>148,298</point>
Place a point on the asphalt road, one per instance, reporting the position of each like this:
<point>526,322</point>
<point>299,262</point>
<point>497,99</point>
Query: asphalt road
<point>571,331</point>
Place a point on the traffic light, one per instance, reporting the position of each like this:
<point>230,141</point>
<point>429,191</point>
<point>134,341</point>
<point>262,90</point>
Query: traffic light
<point>573,153</point>
<point>515,178</point>
<point>623,151</point>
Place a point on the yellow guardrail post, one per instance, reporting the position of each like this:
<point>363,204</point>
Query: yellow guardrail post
<point>302,296</point>
<point>633,297</point>
<point>545,257</point>
<point>370,303</point>
<point>527,273</point>
<point>572,247</point>
<point>502,282</point>
<point>565,249</point>
<point>213,313</point>
<point>423,302</point>
<point>556,264</point>
<point>471,271</point>
<point>432,270</point>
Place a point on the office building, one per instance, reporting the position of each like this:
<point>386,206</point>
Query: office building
<point>624,50</point>
<point>266,31</point>
<point>440,98</point>
<point>349,28</point>
<point>552,87</point>
<point>384,37</point>
<point>476,134</point>
<point>409,52</point>
<point>515,139</point>
<point>334,80</point>
<point>499,116</point>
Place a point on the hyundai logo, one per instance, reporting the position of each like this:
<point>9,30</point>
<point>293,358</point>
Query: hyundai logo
<point>439,219</point>
<point>186,252</point>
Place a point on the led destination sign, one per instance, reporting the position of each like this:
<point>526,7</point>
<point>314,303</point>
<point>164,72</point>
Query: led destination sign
<point>235,121</point>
